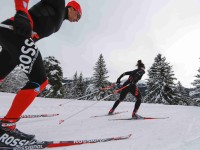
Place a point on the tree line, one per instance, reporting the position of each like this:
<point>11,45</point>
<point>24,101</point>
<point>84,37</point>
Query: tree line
<point>160,87</point>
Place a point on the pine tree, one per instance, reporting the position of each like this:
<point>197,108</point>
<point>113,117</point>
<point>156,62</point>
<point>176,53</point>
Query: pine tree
<point>55,77</point>
<point>73,93</point>
<point>77,88</point>
<point>90,89</point>
<point>75,79</point>
<point>100,73</point>
<point>196,84</point>
<point>160,85</point>
<point>185,98</point>
<point>80,86</point>
<point>181,89</point>
<point>66,90</point>
<point>195,93</point>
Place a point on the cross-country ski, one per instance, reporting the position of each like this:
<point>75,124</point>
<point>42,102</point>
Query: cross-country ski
<point>142,118</point>
<point>115,113</point>
<point>53,144</point>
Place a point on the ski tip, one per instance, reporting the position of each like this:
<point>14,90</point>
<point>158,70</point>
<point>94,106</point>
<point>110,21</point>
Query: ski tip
<point>61,121</point>
<point>155,118</point>
<point>129,135</point>
<point>93,116</point>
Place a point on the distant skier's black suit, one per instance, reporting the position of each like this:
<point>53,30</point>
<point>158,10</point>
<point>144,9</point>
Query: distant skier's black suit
<point>134,77</point>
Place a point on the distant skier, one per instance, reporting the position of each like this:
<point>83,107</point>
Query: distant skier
<point>134,77</point>
<point>18,48</point>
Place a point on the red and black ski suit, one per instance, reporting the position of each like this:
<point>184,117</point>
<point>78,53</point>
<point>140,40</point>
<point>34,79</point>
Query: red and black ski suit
<point>46,18</point>
<point>134,77</point>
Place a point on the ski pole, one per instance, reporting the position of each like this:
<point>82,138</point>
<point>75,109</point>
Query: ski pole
<point>62,120</point>
<point>79,98</point>
<point>108,87</point>
<point>102,89</point>
<point>116,91</point>
<point>11,27</point>
<point>106,97</point>
<point>88,94</point>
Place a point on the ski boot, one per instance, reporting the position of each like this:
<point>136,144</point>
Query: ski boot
<point>10,136</point>
<point>110,112</point>
<point>136,116</point>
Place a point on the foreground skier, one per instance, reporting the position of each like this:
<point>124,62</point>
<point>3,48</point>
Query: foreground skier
<point>18,48</point>
<point>134,77</point>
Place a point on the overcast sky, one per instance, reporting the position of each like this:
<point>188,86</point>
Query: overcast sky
<point>125,31</point>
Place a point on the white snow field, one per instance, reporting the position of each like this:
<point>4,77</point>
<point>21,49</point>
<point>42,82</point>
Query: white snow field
<point>181,131</point>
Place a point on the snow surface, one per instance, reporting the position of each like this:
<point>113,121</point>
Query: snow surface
<point>180,132</point>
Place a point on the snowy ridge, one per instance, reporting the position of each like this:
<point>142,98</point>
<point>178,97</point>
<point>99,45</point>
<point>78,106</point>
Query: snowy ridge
<point>180,132</point>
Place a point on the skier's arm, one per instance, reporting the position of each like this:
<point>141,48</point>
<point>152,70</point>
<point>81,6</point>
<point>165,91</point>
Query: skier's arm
<point>23,23</point>
<point>125,73</point>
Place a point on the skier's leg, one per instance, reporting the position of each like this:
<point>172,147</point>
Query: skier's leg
<point>138,96</point>
<point>30,61</point>
<point>24,53</point>
<point>37,82</point>
<point>123,94</point>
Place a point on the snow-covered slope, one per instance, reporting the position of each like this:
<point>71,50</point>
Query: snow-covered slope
<point>180,132</point>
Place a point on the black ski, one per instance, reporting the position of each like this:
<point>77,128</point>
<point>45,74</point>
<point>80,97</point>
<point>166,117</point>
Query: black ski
<point>142,118</point>
<point>51,144</point>
<point>115,113</point>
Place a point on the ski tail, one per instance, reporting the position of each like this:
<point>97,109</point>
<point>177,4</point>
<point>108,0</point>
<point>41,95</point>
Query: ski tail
<point>37,116</point>
<point>53,144</point>
<point>149,118</point>
<point>115,113</point>
<point>33,116</point>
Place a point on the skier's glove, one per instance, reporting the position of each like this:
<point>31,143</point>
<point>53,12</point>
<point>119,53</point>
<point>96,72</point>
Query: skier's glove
<point>119,86</point>
<point>22,24</point>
